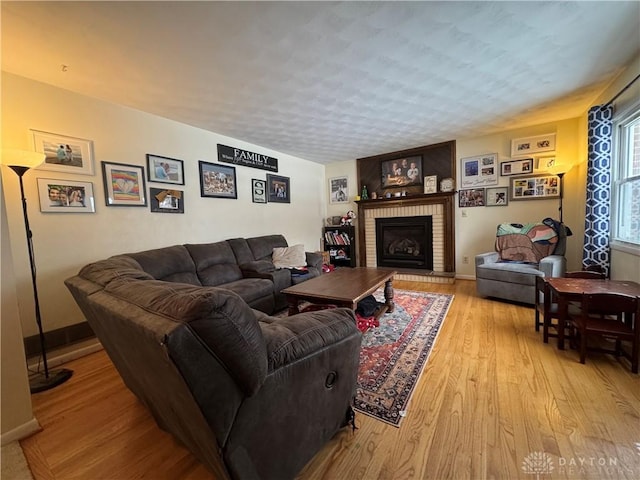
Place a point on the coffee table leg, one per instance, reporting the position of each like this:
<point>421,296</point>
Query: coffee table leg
<point>293,306</point>
<point>388,295</point>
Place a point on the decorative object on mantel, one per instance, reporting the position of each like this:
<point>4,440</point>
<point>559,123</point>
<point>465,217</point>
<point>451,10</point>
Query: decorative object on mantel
<point>365,194</point>
<point>431,184</point>
<point>237,156</point>
<point>402,172</point>
<point>394,355</point>
<point>446,185</point>
<point>479,171</point>
<point>536,144</point>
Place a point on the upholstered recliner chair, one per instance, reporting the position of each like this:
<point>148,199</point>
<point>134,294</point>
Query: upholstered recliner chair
<point>523,252</point>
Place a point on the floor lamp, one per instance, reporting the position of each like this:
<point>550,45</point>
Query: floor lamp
<point>20,162</point>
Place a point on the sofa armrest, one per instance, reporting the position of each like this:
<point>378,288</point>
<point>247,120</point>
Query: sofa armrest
<point>484,258</point>
<point>314,259</point>
<point>293,338</point>
<point>553,266</point>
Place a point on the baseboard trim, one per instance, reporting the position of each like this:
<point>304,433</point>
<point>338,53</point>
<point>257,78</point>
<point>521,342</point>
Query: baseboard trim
<point>466,277</point>
<point>60,337</point>
<point>18,433</point>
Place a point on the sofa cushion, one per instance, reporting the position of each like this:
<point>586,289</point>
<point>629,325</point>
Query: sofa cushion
<point>224,322</point>
<point>250,289</point>
<point>521,273</point>
<point>289,257</point>
<point>215,263</point>
<point>171,264</point>
<point>262,247</point>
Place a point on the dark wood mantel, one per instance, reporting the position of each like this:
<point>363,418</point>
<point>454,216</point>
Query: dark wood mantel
<point>442,198</point>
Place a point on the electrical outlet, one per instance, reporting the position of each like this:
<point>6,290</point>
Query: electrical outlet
<point>465,259</point>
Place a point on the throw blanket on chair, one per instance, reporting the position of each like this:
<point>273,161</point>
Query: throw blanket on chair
<point>526,243</point>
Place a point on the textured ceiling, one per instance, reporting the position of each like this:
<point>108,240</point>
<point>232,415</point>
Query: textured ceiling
<point>330,81</point>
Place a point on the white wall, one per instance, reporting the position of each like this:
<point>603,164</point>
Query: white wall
<point>63,243</point>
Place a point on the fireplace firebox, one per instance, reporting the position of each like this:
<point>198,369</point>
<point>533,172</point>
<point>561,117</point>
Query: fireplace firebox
<point>405,242</point>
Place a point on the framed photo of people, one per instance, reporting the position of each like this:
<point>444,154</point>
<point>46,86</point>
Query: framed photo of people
<point>534,187</point>
<point>471,197</point>
<point>278,188</point>
<point>339,190</point>
<point>65,196</point>
<point>166,201</point>
<point>497,196</point>
<point>479,171</point>
<point>64,154</point>
<point>516,167</point>
<point>165,170</point>
<point>217,181</point>
<point>402,172</point>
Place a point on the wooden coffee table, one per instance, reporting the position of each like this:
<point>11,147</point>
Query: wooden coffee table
<point>343,287</point>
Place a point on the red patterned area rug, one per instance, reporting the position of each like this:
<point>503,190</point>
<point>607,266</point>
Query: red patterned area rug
<point>394,354</point>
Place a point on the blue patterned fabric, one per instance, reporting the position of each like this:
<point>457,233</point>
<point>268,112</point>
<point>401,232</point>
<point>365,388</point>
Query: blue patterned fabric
<point>597,224</point>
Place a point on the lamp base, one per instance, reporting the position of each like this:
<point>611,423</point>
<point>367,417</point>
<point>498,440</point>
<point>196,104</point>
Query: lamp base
<point>39,383</point>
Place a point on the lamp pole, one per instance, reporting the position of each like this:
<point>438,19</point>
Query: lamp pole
<point>561,176</point>
<point>38,383</point>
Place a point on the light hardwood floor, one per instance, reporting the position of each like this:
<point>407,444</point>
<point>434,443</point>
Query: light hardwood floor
<point>491,395</point>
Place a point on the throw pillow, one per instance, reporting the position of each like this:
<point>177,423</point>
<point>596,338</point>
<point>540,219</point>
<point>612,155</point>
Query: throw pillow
<point>289,257</point>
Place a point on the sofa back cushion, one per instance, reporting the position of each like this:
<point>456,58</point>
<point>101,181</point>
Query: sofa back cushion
<point>105,271</point>
<point>262,247</point>
<point>215,263</point>
<point>220,318</point>
<point>170,264</point>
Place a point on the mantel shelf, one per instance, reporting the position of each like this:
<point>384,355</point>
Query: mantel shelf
<point>427,197</point>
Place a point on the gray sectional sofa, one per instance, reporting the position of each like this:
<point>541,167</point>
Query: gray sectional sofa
<point>250,395</point>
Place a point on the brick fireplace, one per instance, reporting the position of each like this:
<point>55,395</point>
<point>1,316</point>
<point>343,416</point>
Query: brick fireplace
<point>440,209</point>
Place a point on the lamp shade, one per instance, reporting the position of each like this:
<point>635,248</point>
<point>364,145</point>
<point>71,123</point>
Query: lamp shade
<point>21,158</point>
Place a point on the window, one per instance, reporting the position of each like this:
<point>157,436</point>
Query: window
<point>626,186</point>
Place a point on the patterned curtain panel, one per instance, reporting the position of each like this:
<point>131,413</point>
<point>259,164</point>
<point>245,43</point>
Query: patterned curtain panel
<point>597,224</point>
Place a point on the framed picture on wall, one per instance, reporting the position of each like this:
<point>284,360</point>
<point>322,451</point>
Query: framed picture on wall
<point>534,187</point>
<point>217,181</point>
<point>516,167</point>
<point>166,201</point>
<point>402,172</point>
<point>65,196</point>
<point>338,190</point>
<point>124,185</point>
<point>471,197</point>
<point>165,170</point>
<point>479,171</point>
<point>536,144</point>
<point>497,196</point>
<point>258,191</point>
<point>279,189</point>
<point>64,154</point>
